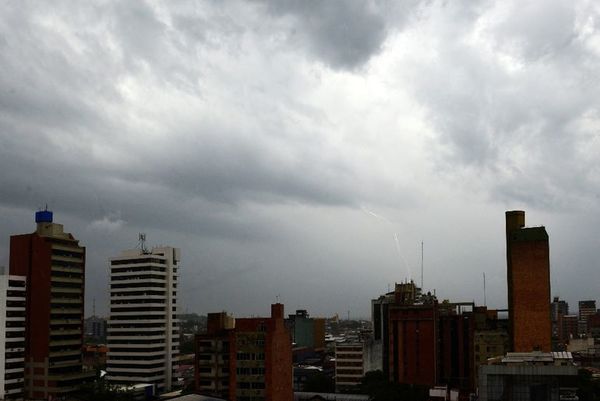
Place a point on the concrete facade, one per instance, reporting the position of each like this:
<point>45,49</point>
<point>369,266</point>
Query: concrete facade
<point>12,337</point>
<point>348,365</point>
<point>532,376</point>
<point>143,330</point>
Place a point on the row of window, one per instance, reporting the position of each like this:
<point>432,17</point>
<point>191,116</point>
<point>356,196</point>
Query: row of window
<point>250,356</point>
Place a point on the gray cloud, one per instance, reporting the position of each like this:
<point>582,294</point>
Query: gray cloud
<point>343,34</point>
<point>253,135</point>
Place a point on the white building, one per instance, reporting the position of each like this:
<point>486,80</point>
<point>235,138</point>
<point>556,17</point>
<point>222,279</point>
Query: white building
<point>12,337</point>
<point>348,365</point>
<point>143,330</point>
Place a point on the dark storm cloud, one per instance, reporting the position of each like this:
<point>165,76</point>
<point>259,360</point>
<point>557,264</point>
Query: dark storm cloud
<point>263,137</point>
<point>343,34</point>
<point>61,102</point>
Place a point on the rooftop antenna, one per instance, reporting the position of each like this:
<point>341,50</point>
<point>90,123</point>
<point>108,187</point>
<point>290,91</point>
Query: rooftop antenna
<point>142,242</point>
<point>421,264</point>
<point>94,307</point>
<point>484,299</point>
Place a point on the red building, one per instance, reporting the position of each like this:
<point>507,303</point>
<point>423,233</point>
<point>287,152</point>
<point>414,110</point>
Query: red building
<point>250,361</point>
<point>54,264</point>
<point>430,343</point>
<point>528,273</point>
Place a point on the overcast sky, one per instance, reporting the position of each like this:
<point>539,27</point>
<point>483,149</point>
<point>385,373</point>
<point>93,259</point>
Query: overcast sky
<point>302,151</point>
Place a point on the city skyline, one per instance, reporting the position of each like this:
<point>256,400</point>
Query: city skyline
<point>305,152</point>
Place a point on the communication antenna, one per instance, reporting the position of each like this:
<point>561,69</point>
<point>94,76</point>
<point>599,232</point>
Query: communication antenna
<point>484,300</point>
<point>421,264</point>
<point>142,243</point>
<point>94,307</point>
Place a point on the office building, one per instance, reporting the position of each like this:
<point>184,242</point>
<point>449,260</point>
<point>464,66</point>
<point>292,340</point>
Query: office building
<point>528,274</point>
<point>348,365</point>
<point>53,263</point>
<point>254,356</point>
<point>428,343</point>
<point>143,329</point>
<point>12,337</point>
<point>586,309</point>
<point>95,328</point>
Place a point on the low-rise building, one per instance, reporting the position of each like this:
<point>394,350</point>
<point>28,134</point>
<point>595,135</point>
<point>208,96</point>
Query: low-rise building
<point>537,376</point>
<point>348,365</point>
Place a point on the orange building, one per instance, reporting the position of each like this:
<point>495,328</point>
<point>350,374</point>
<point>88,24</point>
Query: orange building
<point>250,358</point>
<point>528,274</point>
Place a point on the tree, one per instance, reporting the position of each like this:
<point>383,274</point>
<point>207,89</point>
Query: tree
<point>378,388</point>
<point>101,390</point>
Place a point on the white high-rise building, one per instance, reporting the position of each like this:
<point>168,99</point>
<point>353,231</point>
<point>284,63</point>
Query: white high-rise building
<point>12,337</point>
<point>143,330</point>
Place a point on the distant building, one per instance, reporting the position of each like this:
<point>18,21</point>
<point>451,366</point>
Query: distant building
<point>348,365</point>
<point>490,337</point>
<point>306,331</point>
<point>528,273</point>
<point>568,327</point>
<point>586,309</point>
<point>12,337</point>
<point>96,327</point>
<point>94,356</point>
<point>252,355</point>
<point>558,309</point>
<point>593,325</point>
<point>534,376</point>
<point>143,331</point>
<point>54,264</point>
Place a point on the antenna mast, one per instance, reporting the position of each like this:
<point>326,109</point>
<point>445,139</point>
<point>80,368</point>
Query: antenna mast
<point>484,300</point>
<point>142,243</point>
<point>421,265</point>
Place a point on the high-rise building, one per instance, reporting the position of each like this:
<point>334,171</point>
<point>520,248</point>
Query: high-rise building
<point>54,264</point>
<point>143,329</point>
<point>586,309</point>
<point>528,274</point>
<point>12,337</point>
<point>259,352</point>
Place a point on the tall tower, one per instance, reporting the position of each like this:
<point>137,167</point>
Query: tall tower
<point>53,263</point>
<point>528,274</point>
<point>143,330</point>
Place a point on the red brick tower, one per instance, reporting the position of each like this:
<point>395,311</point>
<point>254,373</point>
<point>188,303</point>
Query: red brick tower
<point>528,274</point>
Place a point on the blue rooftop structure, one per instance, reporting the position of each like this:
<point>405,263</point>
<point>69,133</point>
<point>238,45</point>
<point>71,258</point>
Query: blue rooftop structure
<point>43,216</point>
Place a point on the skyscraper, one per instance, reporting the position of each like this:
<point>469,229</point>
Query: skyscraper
<point>54,264</point>
<point>528,274</point>
<point>143,330</point>
<point>12,337</point>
